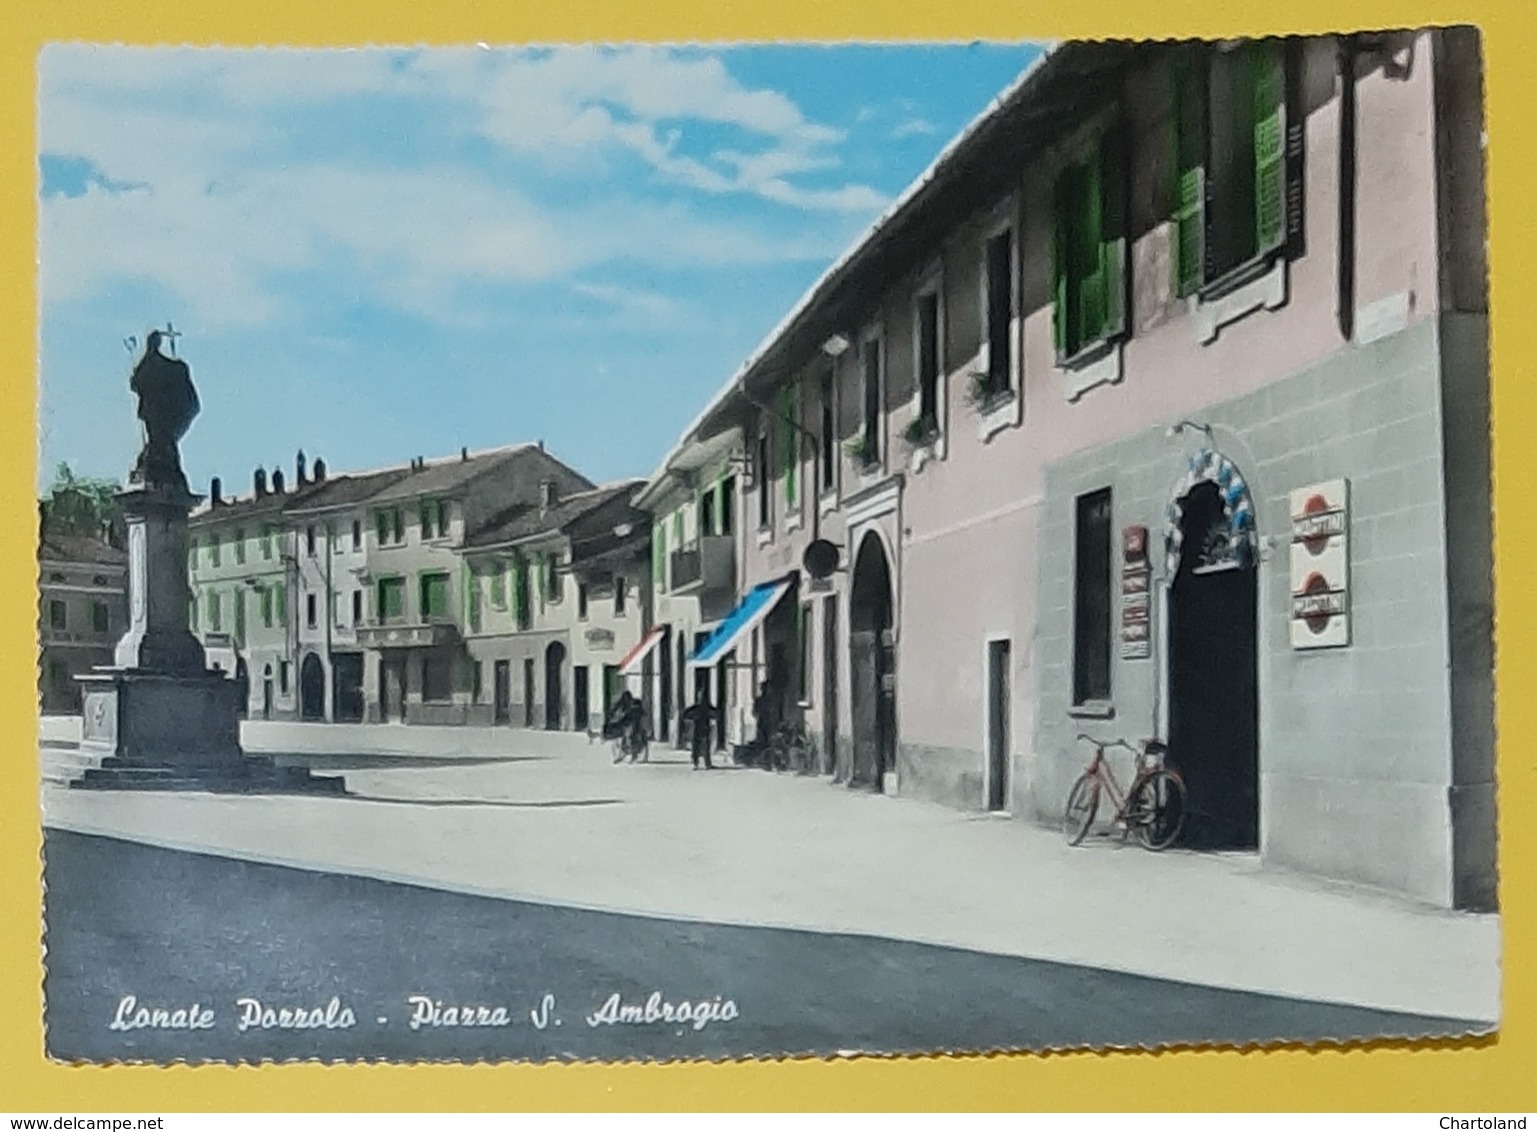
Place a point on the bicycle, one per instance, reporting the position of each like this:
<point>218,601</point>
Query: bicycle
<point>1152,808</point>
<point>792,748</point>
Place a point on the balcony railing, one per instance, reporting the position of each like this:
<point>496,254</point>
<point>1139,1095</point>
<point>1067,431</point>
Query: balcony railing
<point>709,565</point>
<point>407,633</point>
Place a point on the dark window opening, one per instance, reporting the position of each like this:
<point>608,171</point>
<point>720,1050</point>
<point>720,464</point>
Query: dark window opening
<point>310,611</point>
<point>309,540</point>
<point>1091,600</point>
<point>58,615</point>
<point>1000,310</point>
<point>581,600</point>
<point>437,679</point>
<point>357,535</point>
<point>100,619</point>
<point>707,514</point>
<point>762,472</point>
<point>928,360</point>
<point>727,505</point>
<point>357,606</point>
<point>829,433</point>
<point>621,588</point>
<point>870,396</point>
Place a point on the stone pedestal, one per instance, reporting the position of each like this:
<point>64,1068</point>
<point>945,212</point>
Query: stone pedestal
<point>158,718</point>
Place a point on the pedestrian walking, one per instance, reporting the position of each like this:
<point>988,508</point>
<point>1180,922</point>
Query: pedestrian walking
<point>700,716</point>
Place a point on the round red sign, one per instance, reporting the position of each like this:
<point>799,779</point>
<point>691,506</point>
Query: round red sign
<point>1316,586</point>
<point>1316,505</point>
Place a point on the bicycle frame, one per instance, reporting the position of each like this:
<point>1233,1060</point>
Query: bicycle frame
<point>1099,768</point>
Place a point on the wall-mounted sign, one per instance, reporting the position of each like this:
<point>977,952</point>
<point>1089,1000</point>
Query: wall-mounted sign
<point>1136,637</point>
<point>600,640</point>
<point>1320,566</point>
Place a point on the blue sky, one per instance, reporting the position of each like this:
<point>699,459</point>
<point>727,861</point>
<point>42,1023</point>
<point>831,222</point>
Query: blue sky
<point>374,255</point>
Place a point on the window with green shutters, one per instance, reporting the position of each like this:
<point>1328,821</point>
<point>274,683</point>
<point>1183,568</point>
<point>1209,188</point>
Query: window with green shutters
<point>1089,249</point>
<point>789,441</point>
<point>434,595</point>
<point>240,547</point>
<point>498,588</point>
<point>213,611</point>
<point>238,596</point>
<point>427,515</point>
<point>266,541</point>
<point>522,605</point>
<point>391,599</point>
<point>264,607</point>
<point>280,603</point>
<point>1231,188</point>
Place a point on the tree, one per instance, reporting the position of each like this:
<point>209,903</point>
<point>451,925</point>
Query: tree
<point>81,505</point>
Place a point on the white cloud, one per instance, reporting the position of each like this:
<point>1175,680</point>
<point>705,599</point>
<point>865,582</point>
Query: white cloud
<point>225,217</point>
<point>914,127</point>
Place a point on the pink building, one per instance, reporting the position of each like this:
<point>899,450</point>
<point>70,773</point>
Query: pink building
<point>1157,406</point>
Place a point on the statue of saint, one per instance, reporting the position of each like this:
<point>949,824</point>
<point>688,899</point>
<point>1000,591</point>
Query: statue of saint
<point>167,405</point>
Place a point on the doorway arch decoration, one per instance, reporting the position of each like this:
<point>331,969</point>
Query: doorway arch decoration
<point>1211,466</point>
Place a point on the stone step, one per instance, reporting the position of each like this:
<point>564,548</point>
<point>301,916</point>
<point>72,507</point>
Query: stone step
<point>241,778</point>
<point>58,764</point>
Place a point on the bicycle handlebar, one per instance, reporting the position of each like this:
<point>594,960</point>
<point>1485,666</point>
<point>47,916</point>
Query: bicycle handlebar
<point>1103,743</point>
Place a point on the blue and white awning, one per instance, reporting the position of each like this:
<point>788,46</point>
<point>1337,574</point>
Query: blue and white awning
<point>1208,466</point>
<point>747,616</point>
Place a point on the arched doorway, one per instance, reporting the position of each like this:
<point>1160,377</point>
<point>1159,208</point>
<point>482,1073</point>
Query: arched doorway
<point>1213,667</point>
<point>872,675</point>
<point>312,688</point>
<point>554,694</point>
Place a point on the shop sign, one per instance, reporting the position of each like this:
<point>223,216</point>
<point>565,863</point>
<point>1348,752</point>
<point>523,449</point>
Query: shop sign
<point>1320,566</point>
<point>1136,574</point>
<point>600,640</point>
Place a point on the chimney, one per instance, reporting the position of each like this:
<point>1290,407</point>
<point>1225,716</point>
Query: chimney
<point>277,481</point>
<point>299,469</point>
<point>215,492</point>
<point>320,471</point>
<point>541,444</point>
<point>259,483</point>
<point>547,495</point>
<point>464,454</point>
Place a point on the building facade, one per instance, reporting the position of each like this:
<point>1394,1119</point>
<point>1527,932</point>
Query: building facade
<point>1147,417</point>
<point>558,596</point>
<point>82,611</point>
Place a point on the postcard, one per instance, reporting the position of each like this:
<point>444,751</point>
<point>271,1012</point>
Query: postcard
<point>617,552</point>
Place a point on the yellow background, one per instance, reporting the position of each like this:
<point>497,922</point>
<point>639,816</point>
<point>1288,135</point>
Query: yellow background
<point>1490,1075</point>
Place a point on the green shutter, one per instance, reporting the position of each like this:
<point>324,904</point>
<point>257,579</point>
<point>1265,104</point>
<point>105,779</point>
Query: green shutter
<point>425,518</point>
<point>1088,251</point>
<point>1190,173</point>
<point>1112,192</point>
<point>239,598</point>
<point>281,601</point>
<point>1269,146</point>
<point>1060,230</point>
<point>519,596</point>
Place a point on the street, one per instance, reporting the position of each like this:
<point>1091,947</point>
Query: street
<point>491,867</point>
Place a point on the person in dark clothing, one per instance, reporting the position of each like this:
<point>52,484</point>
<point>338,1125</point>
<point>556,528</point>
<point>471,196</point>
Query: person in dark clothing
<point>700,718</point>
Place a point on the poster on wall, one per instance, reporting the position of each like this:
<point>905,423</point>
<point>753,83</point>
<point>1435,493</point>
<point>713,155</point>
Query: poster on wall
<point>1136,643</point>
<point>1320,566</point>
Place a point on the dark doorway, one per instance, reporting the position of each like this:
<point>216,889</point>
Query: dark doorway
<point>682,687</point>
<point>830,685</point>
<point>243,686</point>
<point>501,692</point>
<point>312,688</point>
<point>529,692</point>
<point>664,685</point>
<point>872,676</point>
<point>347,672</point>
<point>998,725</point>
<point>392,689</point>
<point>581,698</point>
<point>267,692</point>
<point>1213,680</point>
<point>723,697</point>
<point>554,693</point>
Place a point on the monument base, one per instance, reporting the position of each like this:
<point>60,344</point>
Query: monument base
<point>155,731</point>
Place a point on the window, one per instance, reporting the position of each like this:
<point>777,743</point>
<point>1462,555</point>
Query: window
<point>357,535</point>
<point>237,599</point>
<point>101,619</point>
<point>434,596</point>
<point>213,612</point>
<point>477,687</point>
<point>727,505</point>
<point>264,605</point>
<point>192,553</point>
<point>99,580</point>
<point>829,432</point>
<point>309,540</point>
<point>240,546</point>
<point>707,514</point>
<point>581,600</point>
<point>428,513</point>
<point>522,605</point>
<point>357,606</point>
<point>802,653</point>
<point>1091,600</point>
<point>382,527</point>
<point>621,588</point>
<point>475,601</point>
<point>998,311</point>
<point>213,550</point>
<point>498,588</point>
<point>192,618</point>
<point>280,603</point>
<point>761,469</point>
<point>551,578</point>
<point>311,611</point>
<point>927,334</point>
<point>442,519</point>
<point>789,442</point>
<point>1231,208</point>
<point>266,541</point>
<point>58,615</point>
<point>391,599</point>
<point>389,526</point>
<point>1089,264</point>
<point>283,677</point>
<point>869,450</point>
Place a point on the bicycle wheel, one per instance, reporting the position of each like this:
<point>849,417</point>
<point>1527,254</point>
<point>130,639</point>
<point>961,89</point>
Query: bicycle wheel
<point>1156,809</point>
<point>1082,805</point>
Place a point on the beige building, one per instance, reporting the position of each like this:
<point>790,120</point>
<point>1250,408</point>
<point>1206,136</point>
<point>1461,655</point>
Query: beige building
<point>82,611</point>
<point>559,596</point>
